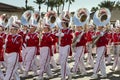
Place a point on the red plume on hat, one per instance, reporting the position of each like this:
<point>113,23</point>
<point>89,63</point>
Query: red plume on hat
<point>1,26</point>
<point>50,13</point>
<point>65,16</point>
<point>15,26</point>
<point>47,25</point>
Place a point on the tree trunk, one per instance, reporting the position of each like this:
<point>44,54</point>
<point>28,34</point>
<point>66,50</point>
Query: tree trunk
<point>63,6</point>
<point>39,7</point>
<point>47,5</point>
<point>69,7</point>
<point>26,1</point>
<point>47,8</point>
<point>51,8</point>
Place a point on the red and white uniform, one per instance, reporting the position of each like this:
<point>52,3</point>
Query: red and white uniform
<point>23,34</point>
<point>109,39</point>
<point>101,48</point>
<point>45,54</point>
<point>54,49</point>
<point>116,43</point>
<point>65,51</point>
<point>13,49</point>
<point>90,35</point>
<point>32,42</point>
<point>79,52</point>
<point>2,41</point>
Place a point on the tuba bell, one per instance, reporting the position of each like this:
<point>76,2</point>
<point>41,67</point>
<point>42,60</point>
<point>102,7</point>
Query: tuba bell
<point>51,15</point>
<point>26,16</point>
<point>36,17</point>
<point>3,19</point>
<point>102,17</point>
<point>82,17</point>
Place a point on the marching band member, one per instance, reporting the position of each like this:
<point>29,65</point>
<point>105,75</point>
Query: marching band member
<point>12,52</point>
<point>100,41</point>
<point>80,40</point>
<point>90,34</point>
<point>45,52</point>
<point>32,42</point>
<point>2,42</point>
<point>109,45</point>
<point>51,20</point>
<point>65,46</point>
<point>23,33</point>
<point>116,42</point>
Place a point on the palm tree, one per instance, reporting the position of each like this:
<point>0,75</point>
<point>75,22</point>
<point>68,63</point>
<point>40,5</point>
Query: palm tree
<point>94,9</point>
<point>26,2</point>
<point>39,2</point>
<point>58,3</point>
<point>117,5</point>
<point>107,4</point>
<point>70,2</point>
<point>51,4</point>
<point>28,8</point>
<point>63,2</point>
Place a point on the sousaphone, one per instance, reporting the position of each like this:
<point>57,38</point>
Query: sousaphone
<point>102,17</point>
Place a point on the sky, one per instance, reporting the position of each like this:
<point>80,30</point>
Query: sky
<point>74,7</point>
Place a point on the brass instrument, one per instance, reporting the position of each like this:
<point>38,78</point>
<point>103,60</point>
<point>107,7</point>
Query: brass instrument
<point>26,16</point>
<point>81,20</point>
<point>101,18</point>
<point>51,18</point>
<point>3,19</point>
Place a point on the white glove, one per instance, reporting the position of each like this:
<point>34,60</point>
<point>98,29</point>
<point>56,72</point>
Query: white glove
<point>61,34</point>
<point>6,40</point>
<point>57,34</point>
<point>101,33</point>
<point>4,46</point>
<point>27,37</point>
<point>77,40</point>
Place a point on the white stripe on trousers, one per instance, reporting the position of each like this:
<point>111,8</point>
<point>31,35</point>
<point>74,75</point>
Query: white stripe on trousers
<point>45,61</point>
<point>79,61</point>
<point>64,53</point>
<point>12,64</point>
<point>29,58</point>
<point>100,61</point>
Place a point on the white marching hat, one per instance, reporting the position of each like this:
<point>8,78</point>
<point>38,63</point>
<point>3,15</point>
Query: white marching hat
<point>117,23</point>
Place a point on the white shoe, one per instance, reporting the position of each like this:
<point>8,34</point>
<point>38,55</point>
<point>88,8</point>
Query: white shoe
<point>63,79</point>
<point>25,74</point>
<point>56,68</point>
<point>50,76</point>
<point>70,77</point>
<point>118,69</point>
<point>40,78</point>
<point>83,73</point>
<point>112,69</point>
<point>35,73</point>
<point>94,76</point>
<point>103,76</point>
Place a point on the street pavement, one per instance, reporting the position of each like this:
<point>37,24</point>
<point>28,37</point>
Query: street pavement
<point>110,74</point>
